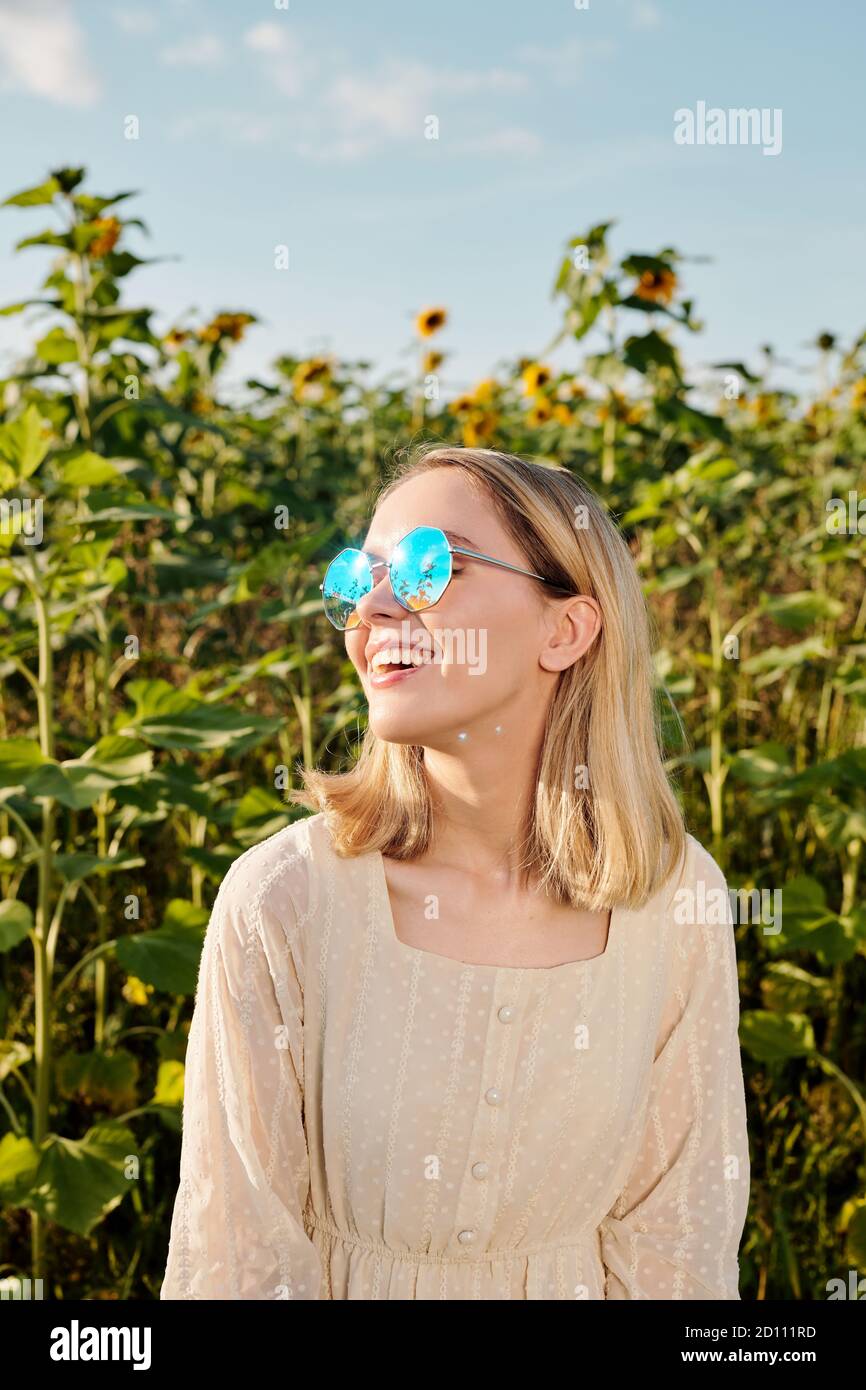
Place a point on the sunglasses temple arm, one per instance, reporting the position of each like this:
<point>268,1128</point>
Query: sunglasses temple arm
<point>503,564</point>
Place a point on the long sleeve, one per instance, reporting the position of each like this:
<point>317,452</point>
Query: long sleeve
<point>237,1229</point>
<point>674,1231</point>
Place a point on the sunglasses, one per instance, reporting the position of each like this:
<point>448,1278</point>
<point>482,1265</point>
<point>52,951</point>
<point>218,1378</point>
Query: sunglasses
<point>419,570</point>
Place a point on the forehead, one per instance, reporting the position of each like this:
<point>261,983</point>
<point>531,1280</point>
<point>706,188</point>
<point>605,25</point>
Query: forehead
<point>441,497</point>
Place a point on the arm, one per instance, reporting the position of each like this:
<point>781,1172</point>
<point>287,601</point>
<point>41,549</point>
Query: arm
<point>237,1230</point>
<point>675,1230</point>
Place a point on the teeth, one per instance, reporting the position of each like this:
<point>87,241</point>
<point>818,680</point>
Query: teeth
<point>396,657</point>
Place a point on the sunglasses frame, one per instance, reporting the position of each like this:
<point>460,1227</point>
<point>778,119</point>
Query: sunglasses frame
<point>375,564</point>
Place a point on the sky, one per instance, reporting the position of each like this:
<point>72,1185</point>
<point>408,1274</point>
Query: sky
<point>305,124</point>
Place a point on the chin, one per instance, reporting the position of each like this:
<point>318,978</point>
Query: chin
<point>411,727</point>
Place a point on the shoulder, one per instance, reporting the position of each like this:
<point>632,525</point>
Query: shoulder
<point>695,875</point>
<point>697,906</point>
<point>274,881</point>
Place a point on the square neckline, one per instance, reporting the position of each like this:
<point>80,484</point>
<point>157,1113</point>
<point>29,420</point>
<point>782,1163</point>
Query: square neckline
<point>483,965</point>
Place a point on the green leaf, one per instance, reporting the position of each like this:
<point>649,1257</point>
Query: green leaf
<point>167,958</point>
<point>19,758</point>
<point>169,1084</point>
<point>205,729</point>
<point>19,1162</point>
<point>801,610</point>
<point>770,1037</point>
<point>39,196</point>
<point>23,442</point>
<point>776,660</point>
<point>762,765</point>
<point>79,1182</point>
<point>131,511</point>
<point>16,920</point>
<point>855,1235</point>
<point>57,347</point>
<point>88,470</point>
<point>105,1079</point>
<point>736,367</point>
<point>650,350</point>
<point>215,862</point>
<point>75,867</point>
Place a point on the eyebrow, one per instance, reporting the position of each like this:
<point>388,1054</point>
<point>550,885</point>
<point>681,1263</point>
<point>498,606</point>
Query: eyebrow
<point>456,537</point>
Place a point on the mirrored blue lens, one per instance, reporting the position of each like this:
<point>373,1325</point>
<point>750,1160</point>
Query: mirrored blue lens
<point>347,579</point>
<point>421,568</point>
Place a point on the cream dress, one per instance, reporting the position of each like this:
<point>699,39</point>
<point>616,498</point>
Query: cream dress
<point>364,1119</point>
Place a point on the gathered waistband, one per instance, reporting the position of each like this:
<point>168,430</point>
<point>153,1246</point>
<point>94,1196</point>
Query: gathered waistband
<point>321,1223</point>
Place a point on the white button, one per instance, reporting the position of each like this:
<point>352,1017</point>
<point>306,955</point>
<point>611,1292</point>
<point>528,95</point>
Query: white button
<point>480,1170</point>
<point>506,1013</point>
<point>493,1096</point>
<point>466,1236</point>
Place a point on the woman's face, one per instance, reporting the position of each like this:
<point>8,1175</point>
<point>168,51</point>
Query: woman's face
<point>491,647</point>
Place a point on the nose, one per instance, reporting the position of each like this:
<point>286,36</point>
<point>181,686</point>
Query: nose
<point>380,601</point>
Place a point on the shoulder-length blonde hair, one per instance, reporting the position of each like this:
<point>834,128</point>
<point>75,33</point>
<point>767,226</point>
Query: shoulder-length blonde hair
<point>604,828</point>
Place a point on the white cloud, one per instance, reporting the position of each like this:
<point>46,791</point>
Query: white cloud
<point>204,51</point>
<point>645,15</point>
<point>284,65</point>
<point>510,140</point>
<point>233,127</point>
<point>565,62</point>
<point>134,21</point>
<point>348,112</point>
<point>393,102</point>
<point>489,80</point>
<point>42,52</point>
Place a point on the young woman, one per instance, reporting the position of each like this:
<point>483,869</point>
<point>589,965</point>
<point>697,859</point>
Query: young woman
<point>469,1031</point>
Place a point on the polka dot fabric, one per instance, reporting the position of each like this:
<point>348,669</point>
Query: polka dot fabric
<point>364,1119</point>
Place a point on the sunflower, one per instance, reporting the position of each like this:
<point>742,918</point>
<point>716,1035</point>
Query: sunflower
<point>429,321</point>
<point>431,362</point>
<point>109,231</point>
<point>763,407</point>
<point>614,406</point>
<point>462,405</point>
<point>656,285</point>
<point>571,391</point>
<point>316,373</point>
<point>535,378</point>
<point>174,339</point>
<point>541,412</point>
<point>225,326</point>
<point>485,390</point>
<point>562,414</point>
<point>858,394</point>
<point>479,427</point>
<point>200,404</point>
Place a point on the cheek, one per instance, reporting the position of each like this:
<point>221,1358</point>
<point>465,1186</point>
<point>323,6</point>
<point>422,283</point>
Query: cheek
<point>355,652</point>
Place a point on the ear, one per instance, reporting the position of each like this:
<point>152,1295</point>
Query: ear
<point>574,626</point>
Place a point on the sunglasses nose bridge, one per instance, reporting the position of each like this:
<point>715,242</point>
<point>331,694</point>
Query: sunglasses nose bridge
<point>376,595</point>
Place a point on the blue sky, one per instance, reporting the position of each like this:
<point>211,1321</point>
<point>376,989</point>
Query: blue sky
<point>262,125</point>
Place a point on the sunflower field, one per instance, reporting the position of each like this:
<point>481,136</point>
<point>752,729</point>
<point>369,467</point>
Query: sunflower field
<point>166,670</point>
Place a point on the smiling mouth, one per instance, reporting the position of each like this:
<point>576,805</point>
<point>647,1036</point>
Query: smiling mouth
<point>387,661</point>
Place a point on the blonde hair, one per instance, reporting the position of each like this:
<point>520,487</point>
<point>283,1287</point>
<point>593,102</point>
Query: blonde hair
<point>612,843</point>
